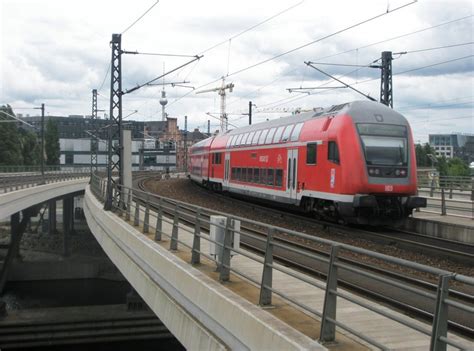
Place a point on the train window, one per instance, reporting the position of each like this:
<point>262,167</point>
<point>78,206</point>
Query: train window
<point>262,137</point>
<point>232,173</point>
<point>279,132</point>
<point>263,175</point>
<point>218,158</point>
<point>311,153</point>
<point>249,139</point>
<point>286,133</point>
<point>256,136</point>
<point>279,178</point>
<point>238,173</point>
<point>296,132</point>
<point>269,138</point>
<point>270,175</point>
<point>333,152</point>
<point>256,175</point>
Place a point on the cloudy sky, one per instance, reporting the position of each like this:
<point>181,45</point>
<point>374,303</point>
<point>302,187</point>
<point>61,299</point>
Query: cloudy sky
<point>56,52</point>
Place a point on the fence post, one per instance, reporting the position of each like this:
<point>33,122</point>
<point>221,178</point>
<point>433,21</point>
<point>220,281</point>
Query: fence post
<point>159,220</point>
<point>224,267</point>
<point>146,220</point>
<point>196,253</point>
<point>174,232</point>
<point>472,191</point>
<point>451,192</point>
<point>129,205</point>
<point>443,203</point>
<point>267,273</point>
<point>328,328</point>
<point>432,187</point>
<point>440,317</point>
<point>136,219</point>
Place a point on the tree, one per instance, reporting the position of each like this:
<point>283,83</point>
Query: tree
<point>458,168</point>
<point>422,152</point>
<point>51,138</point>
<point>30,148</point>
<point>10,150</point>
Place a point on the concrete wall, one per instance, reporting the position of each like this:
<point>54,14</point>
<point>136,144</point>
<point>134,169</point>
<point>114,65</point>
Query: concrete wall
<point>199,311</point>
<point>18,200</point>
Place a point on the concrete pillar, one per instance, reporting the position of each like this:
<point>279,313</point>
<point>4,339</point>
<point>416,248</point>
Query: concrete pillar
<point>68,220</point>
<point>14,226</point>
<point>127,158</point>
<point>52,217</point>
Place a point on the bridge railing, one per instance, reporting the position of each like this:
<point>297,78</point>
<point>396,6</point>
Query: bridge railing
<point>13,183</point>
<point>448,195</point>
<point>145,209</point>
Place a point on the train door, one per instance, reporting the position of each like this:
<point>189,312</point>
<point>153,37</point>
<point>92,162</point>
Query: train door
<point>292,173</point>
<point>226,169</point>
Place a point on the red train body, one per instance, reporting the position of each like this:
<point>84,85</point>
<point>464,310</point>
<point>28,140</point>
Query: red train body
<point>354,161</point>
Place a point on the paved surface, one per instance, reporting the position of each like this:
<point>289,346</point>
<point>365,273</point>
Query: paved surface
<point>392,334</point>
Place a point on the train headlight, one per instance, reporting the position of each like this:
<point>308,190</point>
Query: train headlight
<point>371,171</point>
<point>377,171</point>
<point>403,172</point>
<point>397,172</point>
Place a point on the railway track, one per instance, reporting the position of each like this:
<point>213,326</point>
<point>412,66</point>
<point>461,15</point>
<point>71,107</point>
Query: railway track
<point>418,307</point>
<point>453,250</point>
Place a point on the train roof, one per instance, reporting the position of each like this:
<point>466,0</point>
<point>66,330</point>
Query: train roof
<point>360,111</point>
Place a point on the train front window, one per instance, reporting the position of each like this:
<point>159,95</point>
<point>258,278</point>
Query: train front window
<point>384,144</point>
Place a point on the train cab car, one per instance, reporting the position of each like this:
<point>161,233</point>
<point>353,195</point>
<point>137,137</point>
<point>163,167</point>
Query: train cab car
<point>353,162</point>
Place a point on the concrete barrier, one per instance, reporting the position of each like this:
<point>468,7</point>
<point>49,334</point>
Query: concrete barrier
<point>18,200</point>
<point>200,312</point>
<point>439,229</point>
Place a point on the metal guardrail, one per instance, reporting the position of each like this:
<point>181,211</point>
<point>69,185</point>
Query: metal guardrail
<point>146,205</point>
<point>47,169</point>
<point>8,184</point>
<point>449,195</point>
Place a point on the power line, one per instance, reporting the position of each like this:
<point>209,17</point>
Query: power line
<point>433,65</point>
<point>439,101</point>
<point>364,47</point>
<point>105,77</point>
<point>252,27</point>
<point>440,119</point>
<point>139,18</point>
<point>321,39</point>
<point>301,47</point>
<point>435,106</point>
<point>435,48</point>
<point>154,54</point>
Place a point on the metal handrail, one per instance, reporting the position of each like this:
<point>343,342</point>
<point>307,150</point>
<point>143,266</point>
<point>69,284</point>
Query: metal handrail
<point>147,205</point>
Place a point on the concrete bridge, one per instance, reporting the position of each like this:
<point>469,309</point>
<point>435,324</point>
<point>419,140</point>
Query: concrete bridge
<point>254,304</point>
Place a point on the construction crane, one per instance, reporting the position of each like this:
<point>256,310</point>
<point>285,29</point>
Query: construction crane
<point>221,91</point>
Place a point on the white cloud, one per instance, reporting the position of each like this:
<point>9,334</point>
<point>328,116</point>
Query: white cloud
<point>56,52</point>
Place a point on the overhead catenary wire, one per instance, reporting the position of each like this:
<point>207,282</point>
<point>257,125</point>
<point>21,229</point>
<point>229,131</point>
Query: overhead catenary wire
<point>252,27</point>
<point>435,48</point>
<point>364,47</point>
<point>302,46</point>
<point>139,18</point>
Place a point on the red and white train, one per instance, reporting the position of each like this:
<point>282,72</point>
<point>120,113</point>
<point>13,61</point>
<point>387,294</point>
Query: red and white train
<point>354,162</point>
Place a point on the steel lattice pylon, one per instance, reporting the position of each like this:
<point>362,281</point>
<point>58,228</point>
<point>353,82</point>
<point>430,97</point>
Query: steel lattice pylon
<point>386,92</point>
<point>95,136</point>
<point>115,127</point>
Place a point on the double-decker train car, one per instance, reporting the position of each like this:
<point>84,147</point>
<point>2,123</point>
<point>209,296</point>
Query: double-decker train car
<point>353,162</point>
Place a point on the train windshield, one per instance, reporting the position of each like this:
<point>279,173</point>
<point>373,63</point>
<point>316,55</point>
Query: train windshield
<point>384,144</point>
